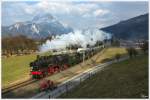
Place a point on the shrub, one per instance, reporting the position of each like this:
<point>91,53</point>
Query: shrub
<point>117,56</point>
<point>132,52</point>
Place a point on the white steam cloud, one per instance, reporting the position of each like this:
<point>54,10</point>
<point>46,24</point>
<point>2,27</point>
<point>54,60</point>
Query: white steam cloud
<point>79,37</point>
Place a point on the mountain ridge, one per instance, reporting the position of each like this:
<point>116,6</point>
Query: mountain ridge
<point>133,28</point>
<point>41,26</point>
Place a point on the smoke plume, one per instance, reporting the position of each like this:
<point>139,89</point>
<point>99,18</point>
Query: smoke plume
<point>79,37</point>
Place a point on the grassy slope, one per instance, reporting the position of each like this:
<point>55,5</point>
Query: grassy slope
<point>114,50</point>
<point>45,53</point>
<point>110,53</point>
<point>14,68</point>
<point>126,79</point>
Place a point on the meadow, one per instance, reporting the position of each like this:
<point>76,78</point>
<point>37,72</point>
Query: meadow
<point>126,79</point>
<point>16,68</point>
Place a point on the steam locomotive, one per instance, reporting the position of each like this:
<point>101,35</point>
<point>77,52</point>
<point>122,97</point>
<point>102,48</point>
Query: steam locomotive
<point>47,65</point>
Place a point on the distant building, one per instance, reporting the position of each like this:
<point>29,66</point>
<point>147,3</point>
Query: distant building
<point>130,43</point>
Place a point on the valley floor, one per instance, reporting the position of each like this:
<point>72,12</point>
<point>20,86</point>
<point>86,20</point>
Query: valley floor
<point>126,79</point>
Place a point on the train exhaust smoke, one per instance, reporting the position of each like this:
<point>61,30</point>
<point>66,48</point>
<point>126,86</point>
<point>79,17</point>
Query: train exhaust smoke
<point>78,37</point>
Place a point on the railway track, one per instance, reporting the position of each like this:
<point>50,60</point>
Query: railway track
<point>19,85</point>
<point>16,86</point>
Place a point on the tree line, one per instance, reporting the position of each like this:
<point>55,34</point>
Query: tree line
<point>18,44</point>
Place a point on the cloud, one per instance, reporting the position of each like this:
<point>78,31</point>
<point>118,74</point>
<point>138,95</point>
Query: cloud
<point>65,7</point>
<point>75,14</point>
<point>87,15</point>
<point>100,12</point>
<point>29,10</point>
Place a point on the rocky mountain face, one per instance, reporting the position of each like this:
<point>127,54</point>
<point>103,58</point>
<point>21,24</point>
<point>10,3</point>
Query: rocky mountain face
<point>41,26</point>
<point>134,28</point>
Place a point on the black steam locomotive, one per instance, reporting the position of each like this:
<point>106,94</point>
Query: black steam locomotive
<point>47,65</point>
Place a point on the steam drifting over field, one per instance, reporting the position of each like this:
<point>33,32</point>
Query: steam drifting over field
<point>79,37</point>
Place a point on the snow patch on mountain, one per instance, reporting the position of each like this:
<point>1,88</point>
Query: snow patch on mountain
<point>17,26</point>
<point>41,26</point>
<point>34,29</point>
<point>10,28</point>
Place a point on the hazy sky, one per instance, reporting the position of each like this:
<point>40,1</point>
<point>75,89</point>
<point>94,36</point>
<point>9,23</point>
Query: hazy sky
<point>78,15</point>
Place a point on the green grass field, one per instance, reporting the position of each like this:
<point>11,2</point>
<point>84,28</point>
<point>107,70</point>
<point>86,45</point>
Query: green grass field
<point>112,51</point>
<point>109,54</point>
<point>45,53</point>
<point>126,79</point>
<point>15,68</point>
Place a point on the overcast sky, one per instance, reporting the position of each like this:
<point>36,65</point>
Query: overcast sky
<point>77,15</point>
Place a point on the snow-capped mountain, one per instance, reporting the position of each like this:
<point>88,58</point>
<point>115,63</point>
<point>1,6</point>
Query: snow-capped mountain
<point>41,26</point>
